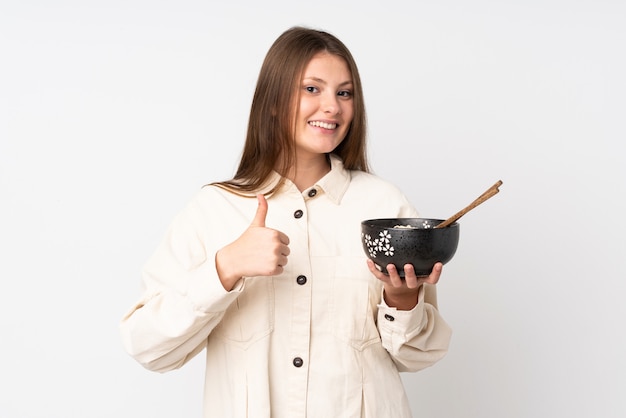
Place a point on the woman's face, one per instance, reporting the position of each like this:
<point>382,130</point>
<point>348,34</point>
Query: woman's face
<point>326,106</point>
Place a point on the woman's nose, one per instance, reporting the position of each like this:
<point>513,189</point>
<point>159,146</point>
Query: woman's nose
<point>330,104</point>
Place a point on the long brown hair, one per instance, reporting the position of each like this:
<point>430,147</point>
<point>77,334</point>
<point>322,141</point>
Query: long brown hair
<point>269,142</point>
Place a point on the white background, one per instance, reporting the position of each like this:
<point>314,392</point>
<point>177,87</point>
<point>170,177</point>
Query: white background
<point>113,113</point>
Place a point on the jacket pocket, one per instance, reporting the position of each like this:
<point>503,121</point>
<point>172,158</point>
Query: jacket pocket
<point>354,301</point>
<point>251,316</point>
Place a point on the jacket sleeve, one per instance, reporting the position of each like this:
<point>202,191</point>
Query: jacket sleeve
<point>182,297</point>
<point>418,338</point>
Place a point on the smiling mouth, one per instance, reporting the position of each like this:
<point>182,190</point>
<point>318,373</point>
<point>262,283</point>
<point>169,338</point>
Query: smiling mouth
<point>324,125</point>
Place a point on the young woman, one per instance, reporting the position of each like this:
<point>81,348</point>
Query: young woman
<point>266,272</point>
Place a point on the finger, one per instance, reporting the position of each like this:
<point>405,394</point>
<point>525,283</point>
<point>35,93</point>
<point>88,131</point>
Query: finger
<point>284,249</point>
<point>374,270</point>
<point>434,275</point>
<point>261,211</point>
<point>277,270</point>
<point>394,277</point>
<point>410,279</point>
<point>284,239</point>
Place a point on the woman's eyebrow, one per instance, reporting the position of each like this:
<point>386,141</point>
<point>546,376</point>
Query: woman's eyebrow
<point>322,81</point>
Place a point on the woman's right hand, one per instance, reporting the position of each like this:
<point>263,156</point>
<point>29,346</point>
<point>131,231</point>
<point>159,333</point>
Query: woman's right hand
<point>259,251</point>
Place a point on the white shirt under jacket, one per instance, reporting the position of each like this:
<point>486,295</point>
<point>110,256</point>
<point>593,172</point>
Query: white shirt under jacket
<point>316,341</point>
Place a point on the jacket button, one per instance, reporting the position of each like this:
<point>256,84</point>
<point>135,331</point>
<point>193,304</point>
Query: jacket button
<point>298,214</point>
<point>389,317</point>
<point>301,280</point>
<point>298,362</point>
<point>312,192</point>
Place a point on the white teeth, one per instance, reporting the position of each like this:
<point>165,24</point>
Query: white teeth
<point>323,124</point>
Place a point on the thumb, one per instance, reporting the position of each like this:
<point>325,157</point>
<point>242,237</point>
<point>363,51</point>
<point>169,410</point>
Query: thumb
<point>261,211</point>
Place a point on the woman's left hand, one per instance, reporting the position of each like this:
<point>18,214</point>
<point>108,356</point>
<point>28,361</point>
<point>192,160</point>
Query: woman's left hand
<point>402,293</point>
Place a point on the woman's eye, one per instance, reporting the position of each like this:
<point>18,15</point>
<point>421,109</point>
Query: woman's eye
<point>311,89</point>
<point>345,93</point>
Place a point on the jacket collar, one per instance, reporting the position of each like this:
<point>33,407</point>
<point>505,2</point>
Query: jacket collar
<point>334,183</point>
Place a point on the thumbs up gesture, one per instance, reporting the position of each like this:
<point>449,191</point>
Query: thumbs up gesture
<point>259,251</point>
<point>261,212</point>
